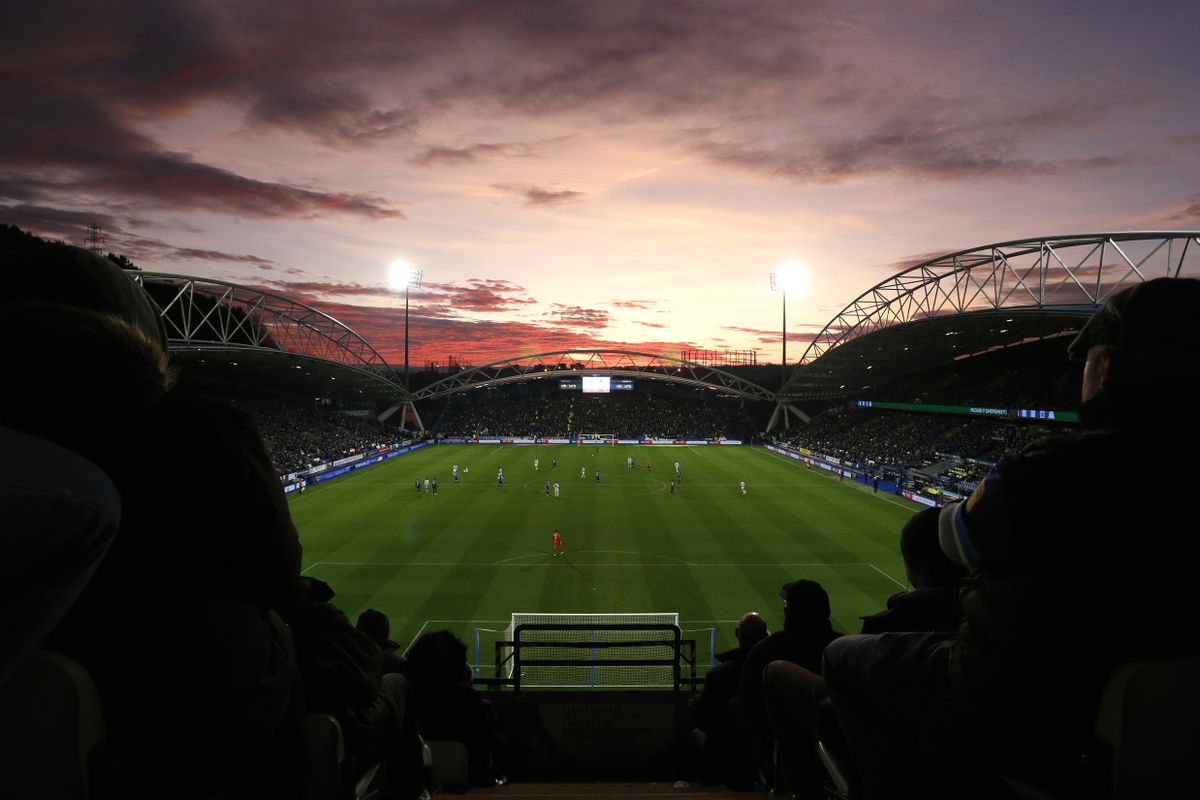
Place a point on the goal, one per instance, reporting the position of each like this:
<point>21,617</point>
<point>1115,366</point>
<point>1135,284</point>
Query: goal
<point>591,651</point>
<point>596,438</point>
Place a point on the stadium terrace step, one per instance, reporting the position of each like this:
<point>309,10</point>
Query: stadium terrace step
<point>610,791</point>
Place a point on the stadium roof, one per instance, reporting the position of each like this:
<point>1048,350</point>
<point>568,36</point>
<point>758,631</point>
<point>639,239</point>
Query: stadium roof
<point>233,329</point>
<point>980,299</point>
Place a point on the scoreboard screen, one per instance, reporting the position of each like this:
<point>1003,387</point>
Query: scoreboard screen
<point>596,384</point>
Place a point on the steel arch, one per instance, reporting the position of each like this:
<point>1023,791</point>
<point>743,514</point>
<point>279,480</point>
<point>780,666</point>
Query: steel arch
<point>625,363</point>
<point>1077,272</point>
<point>211,313</point>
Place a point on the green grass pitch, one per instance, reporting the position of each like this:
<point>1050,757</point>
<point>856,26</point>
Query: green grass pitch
<point>474,553</point>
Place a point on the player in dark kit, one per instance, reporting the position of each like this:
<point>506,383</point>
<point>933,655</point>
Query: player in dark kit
<point>547,488</point>
<point>554,463</point>
<point>418,487</point>
<point>433,485</point>
<point>597,476</point>
<point>557,543</point>
<point>672,487</point>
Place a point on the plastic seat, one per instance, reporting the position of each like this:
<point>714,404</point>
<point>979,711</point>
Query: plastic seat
<point>51,724</point>
<point>327,755</point>
<point>450,767</point>
<point>1149,718</point>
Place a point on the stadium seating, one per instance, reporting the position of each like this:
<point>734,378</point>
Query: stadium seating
<point>1149,720</point>
<point>449,767</point>
<point>51,729</point>
<point>327,756</point>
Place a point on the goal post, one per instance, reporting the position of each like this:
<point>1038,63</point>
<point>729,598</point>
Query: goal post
<point>596,438</point>
<point>590,651</point>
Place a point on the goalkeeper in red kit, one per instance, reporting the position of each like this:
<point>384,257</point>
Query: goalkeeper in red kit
<point>557,543</point>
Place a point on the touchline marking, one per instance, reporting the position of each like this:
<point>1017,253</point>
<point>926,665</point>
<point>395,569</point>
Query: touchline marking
<point>839,483</point>
<point>889,577</point>
<point>418,636</point>
<point>722,565</point>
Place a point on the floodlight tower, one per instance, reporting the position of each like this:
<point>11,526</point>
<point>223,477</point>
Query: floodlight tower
<point>789,277</point>
<point>404,274</point>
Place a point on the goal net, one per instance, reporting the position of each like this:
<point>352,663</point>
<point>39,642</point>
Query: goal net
<point>597,438</point>
<point>593,650</point>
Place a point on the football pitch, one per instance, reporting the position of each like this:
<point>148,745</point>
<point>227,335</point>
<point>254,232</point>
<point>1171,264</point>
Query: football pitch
<point>472,555</point>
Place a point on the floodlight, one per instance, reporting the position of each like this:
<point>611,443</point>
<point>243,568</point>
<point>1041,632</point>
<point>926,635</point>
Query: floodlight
<point>402,275</point>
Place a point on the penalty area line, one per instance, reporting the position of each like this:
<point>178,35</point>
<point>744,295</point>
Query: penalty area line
<point>889,577</point>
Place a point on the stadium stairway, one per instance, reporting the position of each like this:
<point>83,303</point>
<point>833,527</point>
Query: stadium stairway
<point>610,791</point>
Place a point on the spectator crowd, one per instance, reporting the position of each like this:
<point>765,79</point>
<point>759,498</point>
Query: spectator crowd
<point>629,415</point>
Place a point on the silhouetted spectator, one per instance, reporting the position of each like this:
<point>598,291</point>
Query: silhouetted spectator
<point>932,604</point>
<point>711,712</point>
<point>806,632</point>
<point>376,625</point>
<point>1065,583</point>
<point>217,704</point>
<point>342,672</point>
<point>449,709</point>
<point>60,515</point>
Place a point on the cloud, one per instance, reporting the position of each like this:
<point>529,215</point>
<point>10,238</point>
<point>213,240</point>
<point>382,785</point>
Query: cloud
<point>448,300</point>
<point>1190,210</point>
<point>907,262</point>
<point>579,316</point>
<point>471,154</point>
<point>536,196</point>
<point>772,337</point>
<point>56,142</point>
<point>649,324</point>
<point>939,148</point>
<point>640,304</point>
<point>474,341</point>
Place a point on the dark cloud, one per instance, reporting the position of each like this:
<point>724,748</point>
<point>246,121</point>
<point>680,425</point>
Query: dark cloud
<point>580,317</point>
<point>447,300</point>
<point>1190,210</point>
<point>771,337</point>
<point>908,262</point>
<point>58,141</point>
<point>538,196</point>
<point>479,295</point>
<point>471,154</point>
<point>930,147</point>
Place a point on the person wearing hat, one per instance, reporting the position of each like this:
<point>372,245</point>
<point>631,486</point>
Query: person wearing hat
<point>1076,564</point>
<point>932,603</point>
<point>806,631</point>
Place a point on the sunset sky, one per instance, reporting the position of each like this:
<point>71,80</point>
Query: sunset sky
<point>582,174</point>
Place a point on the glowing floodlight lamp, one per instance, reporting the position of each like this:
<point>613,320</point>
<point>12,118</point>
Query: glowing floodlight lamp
<point>402,275</point>
<point>791,277</point>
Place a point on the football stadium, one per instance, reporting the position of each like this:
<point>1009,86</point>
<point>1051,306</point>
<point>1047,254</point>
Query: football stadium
<point>584,400</point>
<point>591,530</point>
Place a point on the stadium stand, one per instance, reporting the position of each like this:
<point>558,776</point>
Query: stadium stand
<point>659,412</point>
